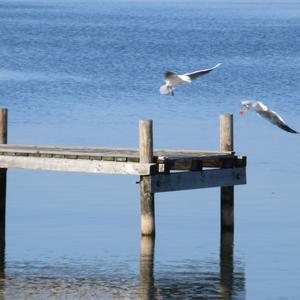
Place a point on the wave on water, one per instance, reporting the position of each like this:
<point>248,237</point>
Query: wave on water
<point>14,75</point>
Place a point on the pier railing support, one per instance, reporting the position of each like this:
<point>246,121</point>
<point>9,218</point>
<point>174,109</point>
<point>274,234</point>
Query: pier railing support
<point>147,199</point>
<point>227,192</point>
<point>3,140</point>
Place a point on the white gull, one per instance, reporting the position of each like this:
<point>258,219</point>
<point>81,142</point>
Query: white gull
<point>266,113</point>
<point>172,79</point>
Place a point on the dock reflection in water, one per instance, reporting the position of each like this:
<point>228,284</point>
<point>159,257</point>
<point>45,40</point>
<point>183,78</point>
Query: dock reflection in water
<point>2,261</point>
<point>195,279</point>
<point>147,286</point>
<point>227,267</point>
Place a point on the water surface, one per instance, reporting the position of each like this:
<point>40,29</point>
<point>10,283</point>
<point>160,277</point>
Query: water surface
<point>84,73</point>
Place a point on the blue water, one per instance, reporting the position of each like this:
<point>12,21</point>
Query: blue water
<point>83,73</point>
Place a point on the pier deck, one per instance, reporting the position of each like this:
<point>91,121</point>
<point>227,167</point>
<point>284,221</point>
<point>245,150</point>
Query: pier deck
<point>159,170</point>
<point>113,160</point>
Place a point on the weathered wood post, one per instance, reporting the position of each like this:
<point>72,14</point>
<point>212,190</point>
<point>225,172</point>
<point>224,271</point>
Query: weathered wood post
<point>147,199</point>
<point>3,140</point>
<point>227,192</point>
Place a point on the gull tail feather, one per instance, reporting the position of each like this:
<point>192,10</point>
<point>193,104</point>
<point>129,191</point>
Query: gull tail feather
<point>164,89</point>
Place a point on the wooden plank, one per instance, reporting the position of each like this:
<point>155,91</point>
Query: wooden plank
<point>118,156</point>
<point>172,159</point>
<point>76,165</point>
<point>66,148</point>
<point>178,181</point>
<point>62,152</point>
<point>178,152</point>
<point>177,161</point>
<point>72,155</point>
<point>187,157</point>
<point>170,163</point>
<point>226,162</point>
<point>210,161</point>
<point>103,150</point>
<point>70,151</point>
<point>192,165</point>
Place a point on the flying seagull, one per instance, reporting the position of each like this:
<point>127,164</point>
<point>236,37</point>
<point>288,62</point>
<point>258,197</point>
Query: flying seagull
<point>172,79</point>
<point>266,113</point>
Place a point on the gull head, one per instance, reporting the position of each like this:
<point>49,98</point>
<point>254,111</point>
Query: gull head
<point>258,106</point>
<point>246,105</point>
<point>169,74</point>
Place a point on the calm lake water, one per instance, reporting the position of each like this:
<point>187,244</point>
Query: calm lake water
<point>83,73</point>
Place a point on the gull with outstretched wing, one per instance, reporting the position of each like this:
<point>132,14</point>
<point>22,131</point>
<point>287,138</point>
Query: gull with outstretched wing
<point>172,79</point>
<point>266,113</point>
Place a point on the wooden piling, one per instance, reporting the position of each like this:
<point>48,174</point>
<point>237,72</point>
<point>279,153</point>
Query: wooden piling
<point>227,192</point>
<point>3,140</point>
<point>147,199</point>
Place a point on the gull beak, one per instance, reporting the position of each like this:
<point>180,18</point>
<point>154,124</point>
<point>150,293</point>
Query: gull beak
<point>243,110</point>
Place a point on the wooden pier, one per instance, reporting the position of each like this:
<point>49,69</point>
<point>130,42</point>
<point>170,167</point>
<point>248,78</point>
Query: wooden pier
<point>159,170</point>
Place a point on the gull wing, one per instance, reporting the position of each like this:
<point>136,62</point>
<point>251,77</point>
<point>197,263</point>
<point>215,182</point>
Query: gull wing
<point>276,119</point>
<point>198,73</point>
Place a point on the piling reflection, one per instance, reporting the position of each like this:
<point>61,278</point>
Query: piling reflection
<point>194,279</point>
<point>210,278</point>
<point>226,265</point>
<point>232,281</point>
<point>146,268</point>
<point>2,261</point>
